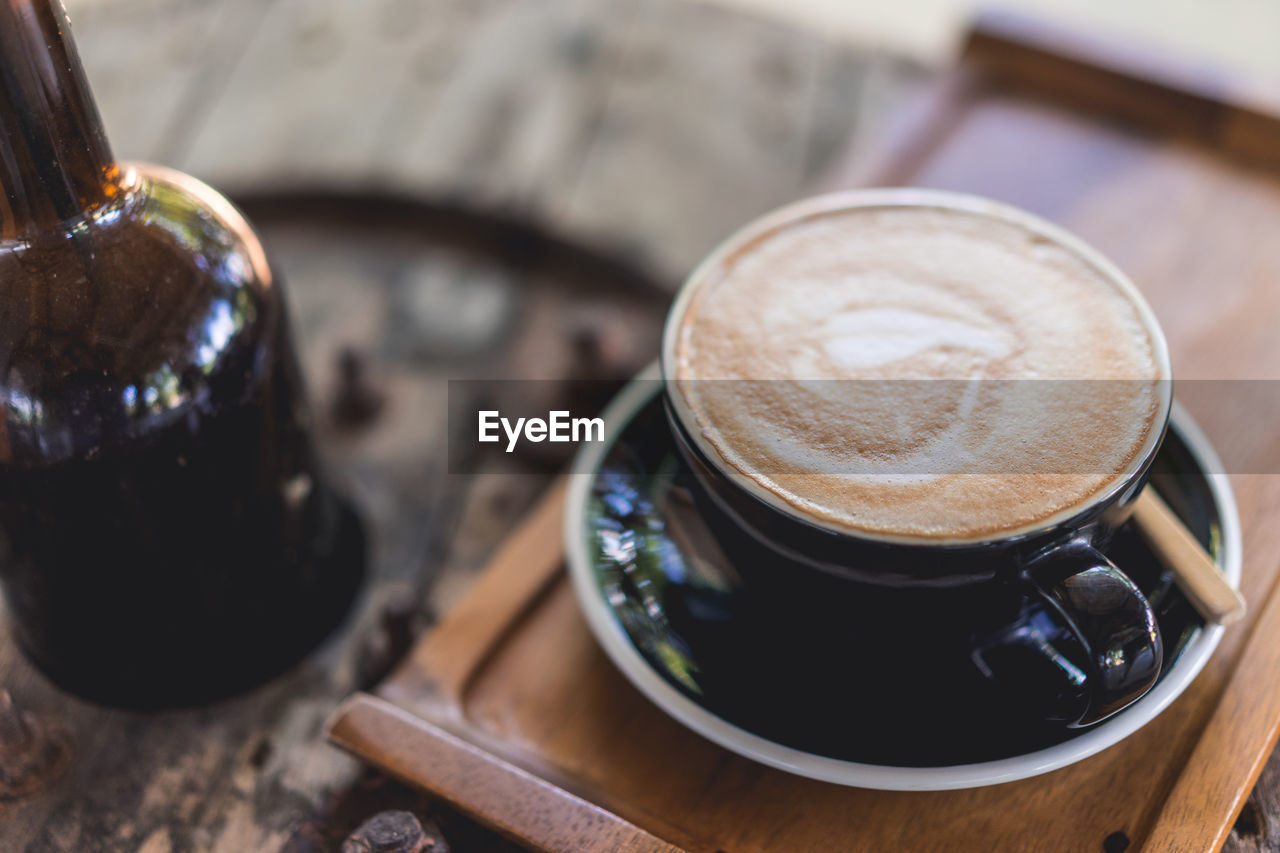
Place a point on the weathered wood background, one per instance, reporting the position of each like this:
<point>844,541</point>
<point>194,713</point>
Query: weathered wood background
<point>652,126</point>
<point>644,128</point>
<point>648,128</point>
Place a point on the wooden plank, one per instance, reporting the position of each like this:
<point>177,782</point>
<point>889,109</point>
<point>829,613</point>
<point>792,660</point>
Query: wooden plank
<point>1201,809</point>
<point>569,112</point>
<point>1257,827</point>
<point>729,126</point>
<point>527,561</point>
<point>503,105</point>
<point>310,95</point>
<point>153,64</point>
<point>1169,94</point>
<point>518,803</point>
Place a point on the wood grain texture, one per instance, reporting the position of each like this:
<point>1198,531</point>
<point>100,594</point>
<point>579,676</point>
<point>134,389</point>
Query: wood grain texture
<point>548,701</point>
<point>1169,208</point>
<point>520,804</point>
<point>1131,83</point>
<point>1241,733</point>
<point>523,566</point>
<point>570,112</point>
<point>154,64</point>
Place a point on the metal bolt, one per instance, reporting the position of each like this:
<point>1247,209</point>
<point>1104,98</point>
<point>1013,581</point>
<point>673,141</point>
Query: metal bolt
<point>357,400</point>
<point>392,832</point>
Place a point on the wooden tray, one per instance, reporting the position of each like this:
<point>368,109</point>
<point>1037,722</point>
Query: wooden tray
<point>509,710</point>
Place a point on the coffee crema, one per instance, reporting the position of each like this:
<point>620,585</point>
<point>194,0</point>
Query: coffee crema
<point>917,371</point>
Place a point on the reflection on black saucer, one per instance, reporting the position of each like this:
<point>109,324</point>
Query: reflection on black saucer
<point>684,608</point>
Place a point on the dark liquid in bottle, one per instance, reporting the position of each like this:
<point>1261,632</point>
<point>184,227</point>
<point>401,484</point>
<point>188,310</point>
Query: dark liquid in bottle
<point>166,532</point>
<point>182,564</point>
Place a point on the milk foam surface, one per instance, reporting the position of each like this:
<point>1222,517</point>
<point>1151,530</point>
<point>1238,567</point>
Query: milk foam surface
<point>918,372</point>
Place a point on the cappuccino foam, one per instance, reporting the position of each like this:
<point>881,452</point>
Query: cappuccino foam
<point>918,372</point>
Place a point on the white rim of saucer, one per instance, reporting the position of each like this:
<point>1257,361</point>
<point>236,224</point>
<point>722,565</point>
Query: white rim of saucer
<point>617,645</point>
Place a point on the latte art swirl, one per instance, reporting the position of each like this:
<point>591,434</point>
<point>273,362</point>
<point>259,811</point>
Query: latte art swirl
<point>917,371</point>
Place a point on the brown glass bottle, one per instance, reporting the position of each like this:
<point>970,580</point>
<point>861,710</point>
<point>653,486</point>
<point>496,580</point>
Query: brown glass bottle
<point>167,535</point>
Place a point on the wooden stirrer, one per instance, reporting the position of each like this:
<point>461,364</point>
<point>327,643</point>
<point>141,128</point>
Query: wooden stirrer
<point>1196,573</point>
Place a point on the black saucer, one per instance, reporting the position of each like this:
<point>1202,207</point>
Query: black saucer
<point>681,605</point>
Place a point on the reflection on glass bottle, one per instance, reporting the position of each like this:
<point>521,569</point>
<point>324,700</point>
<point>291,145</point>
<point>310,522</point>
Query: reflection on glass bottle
<point>166,532</point>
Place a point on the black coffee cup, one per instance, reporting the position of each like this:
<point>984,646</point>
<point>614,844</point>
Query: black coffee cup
<point>1040,609</point>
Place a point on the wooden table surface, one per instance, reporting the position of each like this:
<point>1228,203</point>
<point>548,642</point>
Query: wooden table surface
<point>645,128</point>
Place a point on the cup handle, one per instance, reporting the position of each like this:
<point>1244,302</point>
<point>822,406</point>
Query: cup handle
<point>1110,617</point>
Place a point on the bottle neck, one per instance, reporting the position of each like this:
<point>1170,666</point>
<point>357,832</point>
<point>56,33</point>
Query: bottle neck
<point>55,163</point>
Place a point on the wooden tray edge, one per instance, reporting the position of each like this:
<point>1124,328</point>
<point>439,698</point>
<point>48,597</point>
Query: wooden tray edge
<point>515,802</point>
<point>1025,54</point>
<point>1226,761</point>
